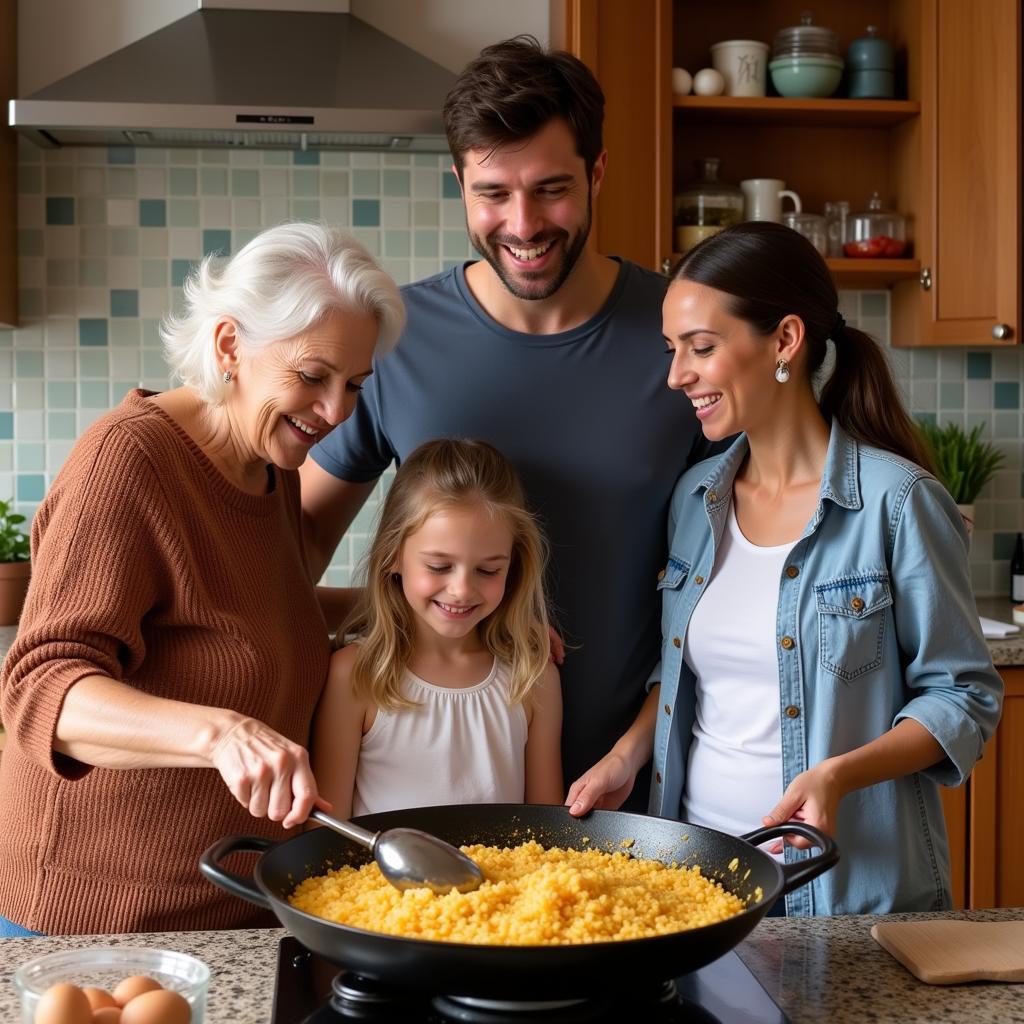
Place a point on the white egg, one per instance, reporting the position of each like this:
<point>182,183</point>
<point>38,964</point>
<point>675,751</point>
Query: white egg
<point>708,82</point>
<point>681,81</point>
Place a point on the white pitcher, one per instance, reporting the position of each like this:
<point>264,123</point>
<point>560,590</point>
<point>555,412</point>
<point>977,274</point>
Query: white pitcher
<point>762,198</point>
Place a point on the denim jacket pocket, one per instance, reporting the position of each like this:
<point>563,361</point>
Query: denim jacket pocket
<point>851,622</point>
<point>670,583</point>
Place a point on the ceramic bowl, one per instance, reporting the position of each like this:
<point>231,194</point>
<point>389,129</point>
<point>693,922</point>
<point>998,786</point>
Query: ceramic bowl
<point>806,77</point>
<point>105,966</point>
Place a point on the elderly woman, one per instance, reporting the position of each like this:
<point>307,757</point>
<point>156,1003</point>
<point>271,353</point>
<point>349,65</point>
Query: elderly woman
<point>172,648</point>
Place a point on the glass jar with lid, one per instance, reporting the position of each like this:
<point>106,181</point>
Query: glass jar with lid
<point>705,206</point>
<point>876,233</point>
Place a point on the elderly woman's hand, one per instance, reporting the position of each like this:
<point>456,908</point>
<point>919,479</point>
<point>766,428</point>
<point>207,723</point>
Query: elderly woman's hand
<point>266,772</point>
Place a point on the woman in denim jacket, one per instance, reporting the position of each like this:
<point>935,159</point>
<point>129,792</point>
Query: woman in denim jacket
<point>822,657</point>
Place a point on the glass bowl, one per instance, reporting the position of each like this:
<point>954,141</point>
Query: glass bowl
<point>806,76</point>
<point>105,966</point>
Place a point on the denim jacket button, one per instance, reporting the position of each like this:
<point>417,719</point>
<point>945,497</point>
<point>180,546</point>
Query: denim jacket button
<point>676,642</point>
<point>698,580</point>
<point>792,711</point>
<point>788,643</point>
<point>857,604</point>
<point>792,572</point>
<point>661,574</point>
<point>668,709</point>
<point>657,777</point>
<point>712,496</point>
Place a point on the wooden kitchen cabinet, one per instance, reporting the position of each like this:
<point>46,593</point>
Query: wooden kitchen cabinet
<point>986,829</point>
<point>8,169</point>
<point>947,154</point>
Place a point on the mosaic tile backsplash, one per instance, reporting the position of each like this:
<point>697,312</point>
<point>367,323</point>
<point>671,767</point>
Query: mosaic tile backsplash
<point>106,237</point>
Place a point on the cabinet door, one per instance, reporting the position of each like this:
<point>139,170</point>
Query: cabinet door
<point>8,170</point>
<point>628,47</point>
<point>969,219</point>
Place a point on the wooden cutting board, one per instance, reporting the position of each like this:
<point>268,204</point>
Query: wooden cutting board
<point>950,952</point>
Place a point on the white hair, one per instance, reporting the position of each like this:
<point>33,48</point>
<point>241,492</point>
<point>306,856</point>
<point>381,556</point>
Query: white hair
<point>284,282</point>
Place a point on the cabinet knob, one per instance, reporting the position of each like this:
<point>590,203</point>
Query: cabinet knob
<point>926,278</point>
<point>1002,331</point>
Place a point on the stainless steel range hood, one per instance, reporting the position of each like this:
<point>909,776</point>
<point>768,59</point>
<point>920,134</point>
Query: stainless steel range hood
<point>248,78</point>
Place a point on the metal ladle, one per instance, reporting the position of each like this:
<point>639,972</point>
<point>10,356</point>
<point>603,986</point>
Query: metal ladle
<point>411,859</point>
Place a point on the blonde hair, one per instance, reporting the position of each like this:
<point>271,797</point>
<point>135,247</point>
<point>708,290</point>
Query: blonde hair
<point>284,282</point>
<point>437,476</point>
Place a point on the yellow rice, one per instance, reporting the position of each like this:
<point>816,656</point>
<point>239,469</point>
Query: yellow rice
<point>530,897</point>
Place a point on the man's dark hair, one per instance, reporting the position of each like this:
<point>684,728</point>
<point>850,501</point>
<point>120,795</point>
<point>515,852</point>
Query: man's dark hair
<point>513,89</point>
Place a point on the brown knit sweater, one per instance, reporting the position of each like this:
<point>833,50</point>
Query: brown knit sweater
<point>149,567</point>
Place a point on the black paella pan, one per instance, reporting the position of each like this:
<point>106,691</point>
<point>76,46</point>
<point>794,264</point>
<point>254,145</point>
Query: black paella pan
<point>546,972</point>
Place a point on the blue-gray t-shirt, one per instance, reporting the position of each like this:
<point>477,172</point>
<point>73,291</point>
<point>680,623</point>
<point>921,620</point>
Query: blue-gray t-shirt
<point>598,440</point>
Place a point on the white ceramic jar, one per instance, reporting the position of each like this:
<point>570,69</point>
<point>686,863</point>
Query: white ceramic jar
<point>743,64</point>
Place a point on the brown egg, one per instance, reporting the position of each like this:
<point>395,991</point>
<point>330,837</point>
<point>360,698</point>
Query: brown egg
<point>63,1004</point>
<point>159,1007</point>
<point>107,1015</point>
<point>98,998</point>
<point>133,986</point>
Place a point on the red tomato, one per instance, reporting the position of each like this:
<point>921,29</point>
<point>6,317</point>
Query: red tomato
<point>879,247</point>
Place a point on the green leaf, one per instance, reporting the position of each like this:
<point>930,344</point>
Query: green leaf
<point>14,542</point>
<point>963,462</point>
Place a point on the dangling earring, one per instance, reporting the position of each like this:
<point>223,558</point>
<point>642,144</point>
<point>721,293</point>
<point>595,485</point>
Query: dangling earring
<point>782,371</point>
<point>227,376</point>
<point>396,577</point>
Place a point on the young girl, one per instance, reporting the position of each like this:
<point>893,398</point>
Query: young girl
<point>822,657</point>
<point>448,694</point>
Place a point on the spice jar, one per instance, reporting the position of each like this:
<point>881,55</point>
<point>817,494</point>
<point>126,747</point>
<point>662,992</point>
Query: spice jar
<point>811,226</point>
<point>705,206</point>
<point>876,233</point>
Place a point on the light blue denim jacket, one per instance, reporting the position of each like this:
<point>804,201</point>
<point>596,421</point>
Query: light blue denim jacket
<point>876,622</point>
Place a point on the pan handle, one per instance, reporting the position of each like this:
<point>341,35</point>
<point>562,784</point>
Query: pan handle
<point>209,866</point>
<point>804,870</point>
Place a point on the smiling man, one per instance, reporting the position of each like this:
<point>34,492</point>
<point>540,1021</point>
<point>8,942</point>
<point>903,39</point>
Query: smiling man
<point>552,352</point>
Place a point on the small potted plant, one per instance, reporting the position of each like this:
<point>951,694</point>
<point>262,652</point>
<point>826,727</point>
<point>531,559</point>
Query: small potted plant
<point>15,566</point>
<point>963,462</point>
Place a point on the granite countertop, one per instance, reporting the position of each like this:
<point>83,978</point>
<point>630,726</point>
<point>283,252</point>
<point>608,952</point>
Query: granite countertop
<point>816,969</point>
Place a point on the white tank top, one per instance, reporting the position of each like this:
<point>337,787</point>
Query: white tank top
<point>734,771</point>
<point>461,745</point>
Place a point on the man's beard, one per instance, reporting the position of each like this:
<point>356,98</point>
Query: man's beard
<point>519,286</point>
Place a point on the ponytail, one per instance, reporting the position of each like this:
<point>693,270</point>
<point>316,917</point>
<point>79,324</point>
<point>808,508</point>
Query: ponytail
<point>862,397</point>
<point>769,272</point>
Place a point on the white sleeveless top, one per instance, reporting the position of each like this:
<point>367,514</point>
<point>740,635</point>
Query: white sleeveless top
<point>734,772</point>
<point>461,745</point>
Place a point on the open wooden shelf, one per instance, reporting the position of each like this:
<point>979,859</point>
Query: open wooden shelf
<point>863,273</point>
<point>833,113</point>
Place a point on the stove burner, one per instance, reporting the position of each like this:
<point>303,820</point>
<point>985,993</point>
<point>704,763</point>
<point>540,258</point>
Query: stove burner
<point>353,992</point>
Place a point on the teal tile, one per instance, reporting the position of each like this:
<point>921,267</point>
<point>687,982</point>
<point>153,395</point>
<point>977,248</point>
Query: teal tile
<point>213,181</point>
<point>305,158</point>
<point>276,158</point>
<point>180,270</point>
<point>120,154</point>
<point>365,182</point>
<point>31,456</point>
<point>183,213</point>
<point>450,186</point>
<point>151,333</point>
<point>153,364</point>
<point>6,425</point>
<point>243,236</point>
<point>153,213</point>
<point>60,394</point>
<point>124,302</point>
<point>425,244</point>
<point>926,417</point>
<point>120,388</point>
<point>182,181</point>
<point>979,365</point>
<point>93,394</point>
<point>245,183</point>
<point>92,332</point>
<point>366,213</point>
<point>30,486</point>
<point>396,183</point>
<point>28,364</point>
<point>154,273</point>
<point>94,362</point>
<point>1002,546</point>
<point>60,426</point>
<point>1006,394</point>
<point>397,244</point>
<point>217,240</point>
<point>454,244</point>
<point>60,210</point>
<point>305,183</point>
<point>951,395</point>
